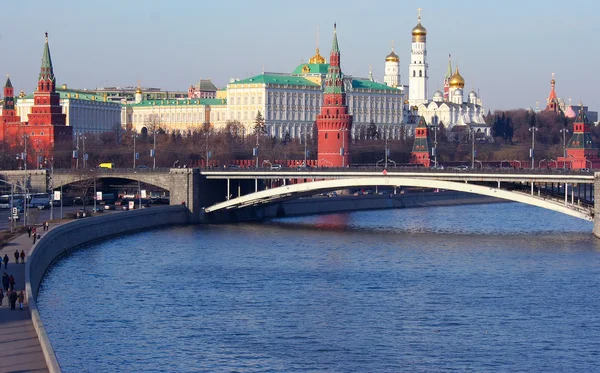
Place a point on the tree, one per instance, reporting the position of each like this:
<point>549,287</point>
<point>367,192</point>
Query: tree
<point>259,124</point>
<point>372,133</point>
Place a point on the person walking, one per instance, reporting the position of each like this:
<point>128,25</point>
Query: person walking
<point>34,238</point>
<point>11,281</point>
<point>1,297</point>
<point>29,230</point>
<point>23,256</point>
<point>47,223</point>
<point>21,298</point>
<point>5,260</point>
<point>16,256</point>
<point>33,230</point>
<point>5,281</point>
<point>13,299</point>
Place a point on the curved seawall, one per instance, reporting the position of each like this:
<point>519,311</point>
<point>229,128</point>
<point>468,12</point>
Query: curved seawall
<point>61,239</point>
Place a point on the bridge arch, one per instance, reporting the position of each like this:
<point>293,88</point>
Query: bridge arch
<point>293,191</point>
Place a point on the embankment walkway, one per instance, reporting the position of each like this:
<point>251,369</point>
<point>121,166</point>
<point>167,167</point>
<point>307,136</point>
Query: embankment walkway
<point>20,349</point>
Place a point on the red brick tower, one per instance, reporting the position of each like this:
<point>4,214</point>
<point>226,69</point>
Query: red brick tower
<point>420,153</point>
<point>334,122</point>
<point>48,134</point>
<point>581,151</point>
<point>9,114</point>
<point>46,102</point>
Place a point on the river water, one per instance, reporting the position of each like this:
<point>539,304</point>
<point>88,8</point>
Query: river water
<point>486,288</point>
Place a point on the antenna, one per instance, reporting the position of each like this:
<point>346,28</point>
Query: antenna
<point>317,36</point>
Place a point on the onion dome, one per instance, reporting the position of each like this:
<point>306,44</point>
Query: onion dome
<point>438,96</point>
<point>456,80</point>
<point>472,94</point>
<point>138,90</point>
<point>317,58</point>
<point>458,92</point>
<point>419,30</point>
<point>392,57</point>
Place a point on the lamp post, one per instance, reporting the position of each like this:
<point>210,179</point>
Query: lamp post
<point>386,151</point>
<point>154,148</point>
<point>472,149</point>
<point>51,163</point>
<point>533,130</point>
<point>564,133</point>
<point>435,164</point>
<point>135,155</point>
<point>342,149</point>
<point>25,182</point>
<point>206,134</point>
<point>305,150</point>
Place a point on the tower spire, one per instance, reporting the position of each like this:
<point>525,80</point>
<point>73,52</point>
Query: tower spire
<point>46,70</point>
<point>8,82</point>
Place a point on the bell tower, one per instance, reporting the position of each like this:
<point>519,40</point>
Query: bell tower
<point>417,69</point>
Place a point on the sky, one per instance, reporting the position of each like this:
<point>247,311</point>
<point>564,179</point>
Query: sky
<point>507,50</point>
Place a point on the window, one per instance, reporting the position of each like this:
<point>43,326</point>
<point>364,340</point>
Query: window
<point>338,136</point>
<point>420,73</point>
<point>325,135</point>
<point>414,73</point>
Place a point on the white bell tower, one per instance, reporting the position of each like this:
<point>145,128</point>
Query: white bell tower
<point>417,69</point>
<point>392,69</point>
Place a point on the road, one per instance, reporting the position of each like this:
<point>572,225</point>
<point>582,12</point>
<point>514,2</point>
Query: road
<point>38,216</point>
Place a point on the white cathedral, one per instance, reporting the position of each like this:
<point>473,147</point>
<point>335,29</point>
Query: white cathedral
<point>451,108</point>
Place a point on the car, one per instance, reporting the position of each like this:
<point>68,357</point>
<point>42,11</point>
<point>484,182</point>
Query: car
<point>276,167</point>
<point>585,170</point>
<point>13,218</point>
<point>109,207</point>
<point>98,209</point>
<point>461,168</point>
<point>83,213</point>
<point>142,166</point>
<point>124,207</point>
<point>233,166</point>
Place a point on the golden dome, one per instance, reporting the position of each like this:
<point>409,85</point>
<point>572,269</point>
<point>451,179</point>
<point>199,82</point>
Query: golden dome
<point>456,80</point>
<point>138,91</point>
<point>392,57</point>
<point>419,30</point>
<point>317,58</point>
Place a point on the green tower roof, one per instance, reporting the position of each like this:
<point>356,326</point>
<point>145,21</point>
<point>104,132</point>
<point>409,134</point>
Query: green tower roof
<point>46,71</point>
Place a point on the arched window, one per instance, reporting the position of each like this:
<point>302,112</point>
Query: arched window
<point>325,135</point>
<point>414,73</point>
<point>338,136</point>
<point>420,73</point>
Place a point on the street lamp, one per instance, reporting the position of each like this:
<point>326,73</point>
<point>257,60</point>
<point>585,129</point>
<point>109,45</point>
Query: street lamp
<point>472,148</point>
<point>51,163</point>
<point>387,151</point>
<point>135,155</point>
<point>533,130</point>
<point>435,164</point>
<point>564,132</point>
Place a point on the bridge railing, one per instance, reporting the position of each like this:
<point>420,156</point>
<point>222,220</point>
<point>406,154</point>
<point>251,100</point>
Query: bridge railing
<point>108,171</point>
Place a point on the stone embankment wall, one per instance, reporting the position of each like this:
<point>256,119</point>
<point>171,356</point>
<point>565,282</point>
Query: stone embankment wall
<point>59,240</point>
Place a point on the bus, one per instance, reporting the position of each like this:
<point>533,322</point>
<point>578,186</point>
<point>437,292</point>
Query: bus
<point>5,201</point>
<point>39,200</point>
<point>106,165</point>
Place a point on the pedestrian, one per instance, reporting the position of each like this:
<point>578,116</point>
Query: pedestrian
<point>5,260</point>
<point>11,281</point>
<point>13,299</point>
<point>16,256</point>
<point>33,230</point>
<point>34,238</point>
<point>1,297</point>
<point>29,230</point>
<point>47,223</point>
<point>5,282</point>
<point>21,298</point>
<point>22,256</point>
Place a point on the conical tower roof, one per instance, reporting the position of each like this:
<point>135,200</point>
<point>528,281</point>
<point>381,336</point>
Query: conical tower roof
<point>449,70</point>
<point>334,46</point>
<point>8,82</point>
<point>47,71</point>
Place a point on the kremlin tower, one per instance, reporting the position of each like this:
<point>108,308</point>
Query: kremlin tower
<point>47,134</point>
<point>334,122</point>
<point>420,152</point>
<point>392,69</point>
<point>581,151</point>
<point>447,80</point>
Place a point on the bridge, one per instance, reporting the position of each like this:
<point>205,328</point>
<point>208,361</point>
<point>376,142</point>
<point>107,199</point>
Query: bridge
<point>211,191</point>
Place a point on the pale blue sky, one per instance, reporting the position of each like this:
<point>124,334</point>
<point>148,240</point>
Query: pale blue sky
<point>506,49</point>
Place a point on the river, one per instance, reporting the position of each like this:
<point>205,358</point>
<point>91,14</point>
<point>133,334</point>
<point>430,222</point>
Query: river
<point>494,288</point>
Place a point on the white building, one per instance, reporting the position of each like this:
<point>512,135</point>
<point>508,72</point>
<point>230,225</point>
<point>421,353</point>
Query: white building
<point>85,112</point>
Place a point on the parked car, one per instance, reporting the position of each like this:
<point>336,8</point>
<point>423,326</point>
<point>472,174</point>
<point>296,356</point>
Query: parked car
<point>461,168</point>
<point>276,167</point>
<point>109,207</point>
